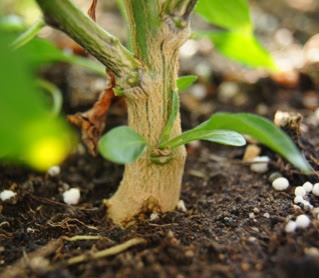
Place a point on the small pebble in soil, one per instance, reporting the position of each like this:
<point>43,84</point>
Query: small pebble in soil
<point>256,210</point>
<point>154,216</point>
<point>300,191</point>
<point>252,239</point>
<point>316,114</point>
<point>7,194</point>
<point>266,215</point>
<point>260,164</point>
<point>291,226</point>
<point>181,206</point>
<point>54,171</point>
<point>280,184</point>
<point>72,196</point>
<point>315,213</point>
<point>227,91</point>
<point>307,186</point>
<point>298,200</point>
<point>170,234</point>
<point>252,151</point>
<point>189,253</point>
<point>312,251</point>
<point>30,230</point>
<point>315,189</point>
<point>303,221</point>
<point>198,91</point>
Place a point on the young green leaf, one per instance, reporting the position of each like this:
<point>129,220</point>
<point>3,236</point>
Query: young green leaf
<point>261,129</point>
<point>28,35</point>
<point>225,137</point>
<point>186,81</point>
<point>230,14</point>
<point>122,145</point>
<point>242,47</point>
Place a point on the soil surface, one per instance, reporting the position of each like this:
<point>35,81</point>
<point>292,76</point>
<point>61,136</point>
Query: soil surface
<point>234,222</point>
<point>234,225</point>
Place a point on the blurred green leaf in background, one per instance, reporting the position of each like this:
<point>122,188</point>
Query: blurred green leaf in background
<point>237,40</point>
<point>242,47</point>
<point>230,14</point>
<point>28,132</point>
<point>26,9</point>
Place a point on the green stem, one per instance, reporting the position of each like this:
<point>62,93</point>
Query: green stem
<point>181,8</point>
<point>171,119</point>
<point>144,20</point>
<point>64,15</point>
<point>121,6</point>
<point>56,94</point>
<point>28,35</point>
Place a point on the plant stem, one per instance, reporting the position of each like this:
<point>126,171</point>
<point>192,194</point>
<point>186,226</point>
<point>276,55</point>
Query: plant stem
<point>143,19</point>
<point>64,15</point>
<point>171,119</point>
<point>28,35</point>
<point>121,6</point>
<point>158,31</point>
<point>181,8</point>
<point>148,185</point>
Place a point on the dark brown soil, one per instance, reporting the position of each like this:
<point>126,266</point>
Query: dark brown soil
<point>233,227</point>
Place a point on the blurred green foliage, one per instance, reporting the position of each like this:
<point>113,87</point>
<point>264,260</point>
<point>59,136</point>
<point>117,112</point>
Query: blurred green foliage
<point>28,132</point>
<point>27,9</point>
<point>237,40</point>
<point>231,14</point>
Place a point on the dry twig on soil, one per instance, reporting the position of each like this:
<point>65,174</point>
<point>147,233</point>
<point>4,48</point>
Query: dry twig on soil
<point>107,252</point>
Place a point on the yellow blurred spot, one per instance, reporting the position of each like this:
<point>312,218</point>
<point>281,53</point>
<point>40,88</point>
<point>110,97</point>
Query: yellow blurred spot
<point>46,152</point>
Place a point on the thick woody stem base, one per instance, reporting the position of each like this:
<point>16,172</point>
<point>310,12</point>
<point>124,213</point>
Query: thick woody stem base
<point>147,187</point>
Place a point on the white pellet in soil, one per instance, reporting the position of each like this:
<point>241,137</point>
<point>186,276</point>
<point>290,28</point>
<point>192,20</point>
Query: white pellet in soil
<point>280,184</point>
<point>72,196</point>
<point>260,164</point>
<point>315,189</point>
<point>300,191</point>
<point>303,221</point>
<point>30,230</point>
<point>307,205</point>
<point>291,226</point>
<point>181,206</point>
<point>7,194</point>
<point>154,216</point>
<point>298,200</point>
<point>307,186</point>
<point>54,171</point>
<point>274,176</point>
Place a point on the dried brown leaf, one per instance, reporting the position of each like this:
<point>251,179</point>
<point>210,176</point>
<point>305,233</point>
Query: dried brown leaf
<point>92,121</point>
<point>91,11</point>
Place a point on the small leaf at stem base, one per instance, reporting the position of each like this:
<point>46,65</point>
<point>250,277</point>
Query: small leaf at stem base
<point>122,145</point>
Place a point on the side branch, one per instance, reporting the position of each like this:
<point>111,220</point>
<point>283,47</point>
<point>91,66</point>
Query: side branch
<point>181,8</point>
<point>65,16</point>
